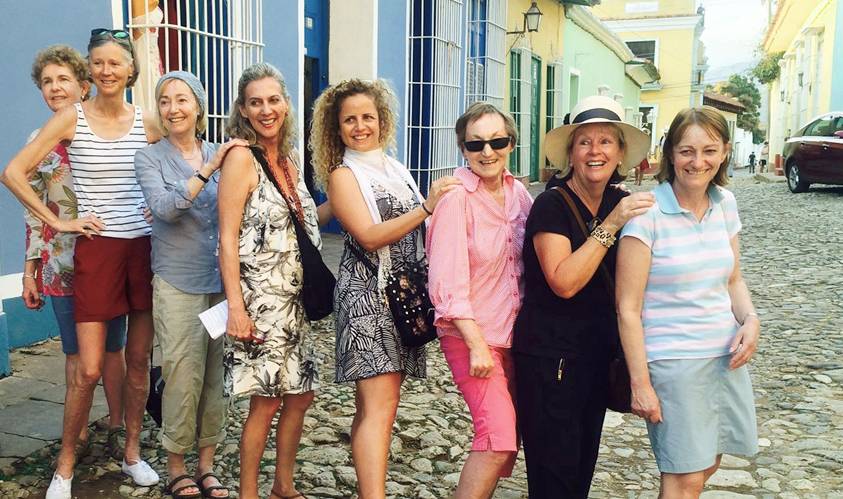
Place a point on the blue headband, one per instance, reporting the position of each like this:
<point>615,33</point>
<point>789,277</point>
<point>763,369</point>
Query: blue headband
<point>191,81</point>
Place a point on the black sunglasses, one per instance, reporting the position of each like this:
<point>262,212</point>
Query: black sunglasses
<point>117,34</point>
<point>479,145</point>
<point>593,223</point>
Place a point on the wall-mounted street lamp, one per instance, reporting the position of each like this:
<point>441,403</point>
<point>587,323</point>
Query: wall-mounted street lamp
<point>532,18</point>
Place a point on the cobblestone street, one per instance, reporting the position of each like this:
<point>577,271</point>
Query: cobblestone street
<point>792,258</point>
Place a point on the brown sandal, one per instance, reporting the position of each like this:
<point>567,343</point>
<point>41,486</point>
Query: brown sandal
<point>273,493</point>
<point>176,493</point>
<point>208,491</point>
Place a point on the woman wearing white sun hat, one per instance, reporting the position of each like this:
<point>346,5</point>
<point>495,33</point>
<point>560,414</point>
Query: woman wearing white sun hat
<point>566,332</point>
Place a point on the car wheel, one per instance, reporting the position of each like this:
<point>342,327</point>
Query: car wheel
<point>794,179</point>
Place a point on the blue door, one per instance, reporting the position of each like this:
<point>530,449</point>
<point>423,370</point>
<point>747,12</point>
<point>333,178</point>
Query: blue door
<point>315,81</point>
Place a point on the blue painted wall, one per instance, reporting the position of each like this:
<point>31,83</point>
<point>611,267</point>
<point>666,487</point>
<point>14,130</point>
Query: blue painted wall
<point>392,59</point>
<point>281,26</point>
<point>836,103</point>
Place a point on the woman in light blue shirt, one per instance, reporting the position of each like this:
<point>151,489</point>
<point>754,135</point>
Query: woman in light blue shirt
<point>178,176</point>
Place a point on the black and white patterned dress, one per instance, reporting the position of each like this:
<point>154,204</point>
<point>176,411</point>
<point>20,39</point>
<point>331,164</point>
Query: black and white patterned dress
<point>367,341</point>
<point>271,280</point>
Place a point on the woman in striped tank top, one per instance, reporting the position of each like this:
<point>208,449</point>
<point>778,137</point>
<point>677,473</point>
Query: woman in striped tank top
<point>112,268</point>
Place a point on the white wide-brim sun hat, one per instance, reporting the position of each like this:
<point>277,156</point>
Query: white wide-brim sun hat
<point>597,109</point>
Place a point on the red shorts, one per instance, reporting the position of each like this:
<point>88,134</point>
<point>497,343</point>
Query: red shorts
<point>490,400</point>
<point>111,277</point>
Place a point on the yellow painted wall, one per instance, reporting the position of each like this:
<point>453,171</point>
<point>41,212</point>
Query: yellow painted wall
<point>787,23</point>
<point>546,43</point>
<point>617,9</point>
<point>675,52</point>
<point>675,65</point>
<point>792,33</point>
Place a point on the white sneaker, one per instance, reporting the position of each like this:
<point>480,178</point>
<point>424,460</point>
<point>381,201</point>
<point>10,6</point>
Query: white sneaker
<point>141,473</point>
<point>59,487</point>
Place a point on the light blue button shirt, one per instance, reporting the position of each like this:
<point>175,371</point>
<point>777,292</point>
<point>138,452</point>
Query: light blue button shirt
<point>185,232</point>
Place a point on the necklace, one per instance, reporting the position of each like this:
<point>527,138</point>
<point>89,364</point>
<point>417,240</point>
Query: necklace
<point>291,187</point>
<point>193,155</point>
<point>586,200</point>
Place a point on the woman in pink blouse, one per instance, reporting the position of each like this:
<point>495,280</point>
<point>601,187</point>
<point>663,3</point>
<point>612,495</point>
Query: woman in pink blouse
<point>474,249</point>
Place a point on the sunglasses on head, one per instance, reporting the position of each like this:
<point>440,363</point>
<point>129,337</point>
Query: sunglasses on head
<point>117,34</point>
<point>479,145</point>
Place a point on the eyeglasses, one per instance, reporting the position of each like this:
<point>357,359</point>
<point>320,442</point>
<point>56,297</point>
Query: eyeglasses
<point>117,34</point>
<point>594,223</point>
<point>479,145</point>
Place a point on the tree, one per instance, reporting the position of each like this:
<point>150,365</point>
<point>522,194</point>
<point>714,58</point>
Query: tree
<point>768,68</point>
<point>743,89</point>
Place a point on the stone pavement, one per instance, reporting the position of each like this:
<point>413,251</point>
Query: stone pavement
<point>792,258</point>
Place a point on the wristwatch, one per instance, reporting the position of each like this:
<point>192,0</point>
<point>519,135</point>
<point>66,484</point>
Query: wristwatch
<point>201,177</point>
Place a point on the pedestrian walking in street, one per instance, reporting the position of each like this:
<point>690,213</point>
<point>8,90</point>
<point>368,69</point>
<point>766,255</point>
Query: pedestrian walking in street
<point>271,359</point>
<point>474,245</point>
<point>764,157</point>
<point>381,211</point>
<point>112,274</point>
<point>639,170</point>
<point>752,162</point>
<point>178,176</point>
<point>62,75</point>
<point>566,332</point>
<point>687,322</point>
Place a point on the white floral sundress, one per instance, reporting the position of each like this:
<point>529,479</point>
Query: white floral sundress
<point>271,280</point>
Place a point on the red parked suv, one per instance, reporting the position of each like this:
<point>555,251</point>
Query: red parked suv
<point>814,154</point>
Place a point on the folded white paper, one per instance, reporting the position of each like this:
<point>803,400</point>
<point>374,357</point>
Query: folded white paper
<point>215,319</point>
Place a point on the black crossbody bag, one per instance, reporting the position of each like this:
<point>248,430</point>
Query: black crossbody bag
<point>408,301</point>
<point>318,282</point>
<point>620,393</point>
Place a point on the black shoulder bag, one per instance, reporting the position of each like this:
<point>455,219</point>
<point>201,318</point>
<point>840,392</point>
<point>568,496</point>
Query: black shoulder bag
<point>620,393</point>
<point>408,301</point>
<point>318,282</point>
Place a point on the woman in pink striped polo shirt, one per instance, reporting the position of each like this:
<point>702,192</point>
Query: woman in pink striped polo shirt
<point>686,317</point>
<point>474,250</point>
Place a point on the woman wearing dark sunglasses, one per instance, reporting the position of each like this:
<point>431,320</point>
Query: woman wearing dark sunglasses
<point>474,249</point>
<point>112,267</point>
<point>566,332</point>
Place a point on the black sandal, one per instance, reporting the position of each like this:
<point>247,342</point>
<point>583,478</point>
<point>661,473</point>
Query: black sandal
<point>208,491</point>
<point>272,492</point>
<point>176,493</point>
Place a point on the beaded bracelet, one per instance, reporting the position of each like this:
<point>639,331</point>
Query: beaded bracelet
<point>603,236</point>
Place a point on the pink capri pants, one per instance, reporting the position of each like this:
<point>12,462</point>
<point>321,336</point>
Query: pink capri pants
<point>490,400</point>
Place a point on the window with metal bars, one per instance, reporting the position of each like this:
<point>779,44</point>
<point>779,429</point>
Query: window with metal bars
<point>555,105</point>
<point>520,93</point>
<point>213,39</point>
<point>485,65</point>
<point>434,89</point>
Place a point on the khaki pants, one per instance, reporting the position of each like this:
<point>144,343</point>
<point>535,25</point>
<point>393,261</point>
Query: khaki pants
<point>193,406</point>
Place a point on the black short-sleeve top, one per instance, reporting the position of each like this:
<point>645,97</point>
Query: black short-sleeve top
<point>549,325</point>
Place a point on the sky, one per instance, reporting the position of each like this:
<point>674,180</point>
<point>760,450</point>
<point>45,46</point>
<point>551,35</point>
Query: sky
<point>733,30</point>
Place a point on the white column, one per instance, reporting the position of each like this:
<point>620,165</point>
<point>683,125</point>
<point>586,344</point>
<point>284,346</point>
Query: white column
<point>353,40</point>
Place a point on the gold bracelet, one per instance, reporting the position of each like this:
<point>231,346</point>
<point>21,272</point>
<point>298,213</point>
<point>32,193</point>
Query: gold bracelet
<point>603,236</point>
<point>31,276</point>
<point>748,315</point>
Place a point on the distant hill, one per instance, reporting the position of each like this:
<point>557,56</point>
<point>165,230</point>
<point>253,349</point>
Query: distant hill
<point>721,73</point>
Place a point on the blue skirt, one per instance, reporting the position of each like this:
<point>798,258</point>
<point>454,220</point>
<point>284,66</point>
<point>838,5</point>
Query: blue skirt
<point>707,410</point>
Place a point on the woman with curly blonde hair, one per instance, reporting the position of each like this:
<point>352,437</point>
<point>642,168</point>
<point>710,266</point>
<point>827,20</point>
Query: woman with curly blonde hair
<point>272,361</point>
<point>381,210</point>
